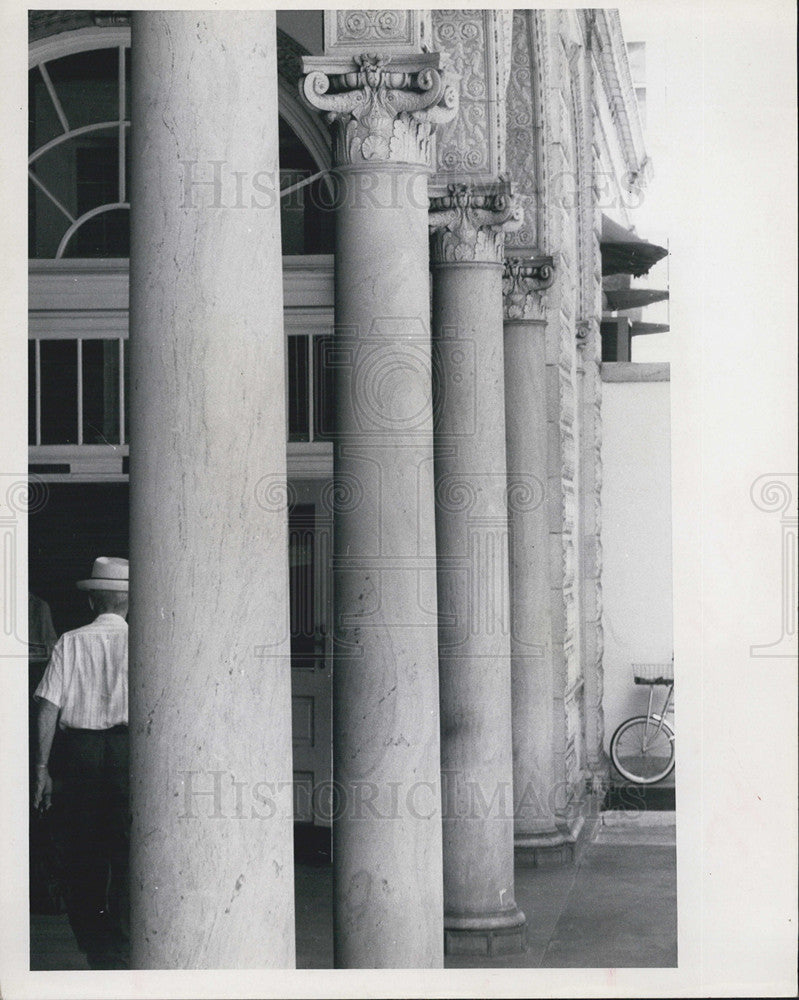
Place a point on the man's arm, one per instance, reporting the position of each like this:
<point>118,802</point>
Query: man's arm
<point>43,785</point>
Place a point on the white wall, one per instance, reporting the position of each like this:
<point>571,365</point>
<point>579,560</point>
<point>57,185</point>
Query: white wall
<point>636,533</point>
<point>653,215</point>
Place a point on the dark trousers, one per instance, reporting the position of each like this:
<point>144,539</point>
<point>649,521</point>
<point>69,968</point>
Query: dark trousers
<point>96,828</point>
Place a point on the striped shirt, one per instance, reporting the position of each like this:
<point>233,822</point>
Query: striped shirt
<point>87,676</point>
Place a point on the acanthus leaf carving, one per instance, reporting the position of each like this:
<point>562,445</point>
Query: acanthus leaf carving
<point>524,283</point>
<point>469,224</point>
<point>380,113</point>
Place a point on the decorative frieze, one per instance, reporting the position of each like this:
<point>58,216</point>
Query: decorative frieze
<point>523,124</point>
<point>476,44</point>
<point>394,31</point>
<point>523,286</point>
<point>381,110</point>
<point>468,224</point>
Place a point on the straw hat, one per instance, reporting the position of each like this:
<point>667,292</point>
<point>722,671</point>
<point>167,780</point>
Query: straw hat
<point>108,573</point>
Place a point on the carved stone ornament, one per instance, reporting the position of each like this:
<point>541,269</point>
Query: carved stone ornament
<point>353,30</point>
<point>523,285</point>
<point>382,111</point>
<point>471,147</point>
<point>470,225</point>
<point>524,118</point>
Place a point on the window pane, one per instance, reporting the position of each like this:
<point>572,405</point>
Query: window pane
<point>97,170</point>
<point>323,389</point>
<point>301,585</point>
<point>319,218</point>
<point>306,214</point>
<point>127,84</point>
<point>87,84</point>
<point>104,235</point>
<point>126,387</point>
<point>43,121</point>
<point>59,360</point>
<point>31,392</point>
<point>100,392</point>
<point>56,171</point>
<point>298,388</point>
<point>292,212</point>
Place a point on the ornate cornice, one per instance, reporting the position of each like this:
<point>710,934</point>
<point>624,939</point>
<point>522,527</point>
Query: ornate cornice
<point>603,31</point>
<point>468,224</point>
<point>523,286</point>
<point>381,110</point>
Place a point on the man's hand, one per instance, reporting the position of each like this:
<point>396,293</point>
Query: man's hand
<point>43,790</point>
<point>43,783</point>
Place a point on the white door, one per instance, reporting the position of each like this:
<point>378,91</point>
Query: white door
<point>311,668</point>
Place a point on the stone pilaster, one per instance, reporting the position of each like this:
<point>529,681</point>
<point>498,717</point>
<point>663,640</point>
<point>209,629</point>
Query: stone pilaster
<point>477,43</point>
<point>590,384</point>
<point>386,830</point>
<point>596,764</point>
<point>480,912</point>
<point>210,715</point>
<point>525,125</point>
<point>556,52</point>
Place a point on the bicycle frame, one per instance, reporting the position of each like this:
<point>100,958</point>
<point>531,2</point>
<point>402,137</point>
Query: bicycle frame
<point>651,715</point>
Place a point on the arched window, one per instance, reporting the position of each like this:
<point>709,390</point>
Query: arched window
<point>79,163</point>
<point>78,140</point>
<point>79,236</point>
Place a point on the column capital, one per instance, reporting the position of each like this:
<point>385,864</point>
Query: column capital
<point>383,109</point>
<point>523,285</point>
<point>469,224</point>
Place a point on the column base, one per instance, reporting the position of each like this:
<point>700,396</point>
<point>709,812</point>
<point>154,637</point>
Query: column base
<point>557,847</point>
<point>489,934</point>
<point>598,776</point>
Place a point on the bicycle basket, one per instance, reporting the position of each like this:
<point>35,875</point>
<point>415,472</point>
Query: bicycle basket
<point>653,673</point>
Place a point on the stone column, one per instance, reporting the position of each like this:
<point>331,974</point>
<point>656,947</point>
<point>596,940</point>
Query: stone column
<point>386,763</point>
<point>210,713</point>
<point>480,912</point>
<point>532,678</point>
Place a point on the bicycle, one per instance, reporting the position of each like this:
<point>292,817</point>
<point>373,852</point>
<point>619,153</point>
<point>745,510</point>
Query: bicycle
<point>642,748</point>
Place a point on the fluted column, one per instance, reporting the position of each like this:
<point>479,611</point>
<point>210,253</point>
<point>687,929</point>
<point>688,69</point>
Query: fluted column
<point>480,912</point>
<point>386,762</point>
<point>210,717</point>
<point>532,679</point>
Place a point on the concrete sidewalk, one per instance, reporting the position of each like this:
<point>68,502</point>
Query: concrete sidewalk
<point>615,906</point>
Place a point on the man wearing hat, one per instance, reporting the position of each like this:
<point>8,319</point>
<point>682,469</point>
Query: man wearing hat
<point>84,691</point>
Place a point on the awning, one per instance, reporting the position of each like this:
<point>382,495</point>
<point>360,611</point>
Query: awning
<point>636,329</point>
<point>625,253</point>
<point>633,298</point>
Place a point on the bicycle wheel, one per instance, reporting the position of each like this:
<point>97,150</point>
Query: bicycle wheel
<point>641,752</point>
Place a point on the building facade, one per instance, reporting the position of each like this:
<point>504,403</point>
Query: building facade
<point>317,302</point>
